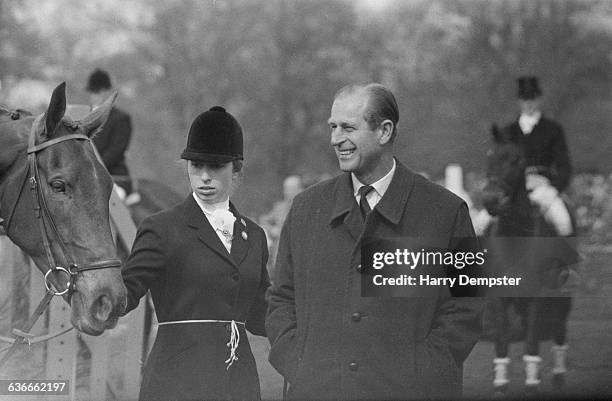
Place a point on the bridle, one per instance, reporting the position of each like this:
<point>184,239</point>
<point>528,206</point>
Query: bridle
<point>45,219</point>
<point>46,223</point>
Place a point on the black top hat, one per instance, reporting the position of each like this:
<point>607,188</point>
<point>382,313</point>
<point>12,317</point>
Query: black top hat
<point>98,80</point>
<point>528,88</point>
<point>215,137</point>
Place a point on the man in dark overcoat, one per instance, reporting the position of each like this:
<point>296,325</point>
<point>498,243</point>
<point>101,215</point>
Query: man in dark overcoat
<point>114,139</point>
<point>330,342</point>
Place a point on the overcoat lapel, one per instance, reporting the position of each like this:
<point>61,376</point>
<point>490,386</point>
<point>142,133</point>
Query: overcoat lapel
<point>205,232</point>
<point>346,210</point>
<point>354,222</point>
<point>391,206</point>
<point>240,242</point>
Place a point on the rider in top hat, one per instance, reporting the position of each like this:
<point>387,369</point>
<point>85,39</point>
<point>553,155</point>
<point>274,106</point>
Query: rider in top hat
<point>114,139</point>
<point>205,265</point>
<point>549,167</point>
<point>547,175</point>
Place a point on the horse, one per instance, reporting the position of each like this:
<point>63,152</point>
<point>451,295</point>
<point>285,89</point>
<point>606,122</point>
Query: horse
<point>54,195</point>
<point>505,196</point>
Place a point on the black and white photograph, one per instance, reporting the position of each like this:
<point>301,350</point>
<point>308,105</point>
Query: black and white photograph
<point>305,200</point>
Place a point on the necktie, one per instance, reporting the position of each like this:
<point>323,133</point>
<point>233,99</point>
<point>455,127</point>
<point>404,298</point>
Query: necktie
<point>363,202</point>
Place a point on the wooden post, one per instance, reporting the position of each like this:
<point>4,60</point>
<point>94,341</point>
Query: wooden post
<point>453,181</point>
<point>61,351</point>
<point>130,327</point>
<point>100,355</point>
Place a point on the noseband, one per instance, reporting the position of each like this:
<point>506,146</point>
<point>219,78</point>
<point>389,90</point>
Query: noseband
<point>45,218</point>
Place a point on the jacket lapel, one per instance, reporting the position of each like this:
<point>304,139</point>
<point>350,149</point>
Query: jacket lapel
<point>393,203</point>
<point>346,210</point>
<point>391,206</point>
<point>240,242</point>
<point>196,219</point>
<point>354,222</point>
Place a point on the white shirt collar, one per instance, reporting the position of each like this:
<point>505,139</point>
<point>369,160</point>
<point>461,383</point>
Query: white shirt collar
<point>380,186</point>
<point>221,220</point>
<point>528,121</point>
<point>209,209</point>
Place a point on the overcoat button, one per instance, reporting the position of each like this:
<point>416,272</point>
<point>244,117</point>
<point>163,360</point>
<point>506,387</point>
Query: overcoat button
<point>356,316</point>
<point>353,366</point>
<point>358,267</point>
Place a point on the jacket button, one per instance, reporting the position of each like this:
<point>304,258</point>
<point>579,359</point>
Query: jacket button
<point>358,267</point>
<point>235,276</point>
<point>356,316</point>
<point>353,366</point>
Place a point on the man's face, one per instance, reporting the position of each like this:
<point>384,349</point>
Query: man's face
<point>211,182</point>
<point>357,146</point>
<point>529,106</point>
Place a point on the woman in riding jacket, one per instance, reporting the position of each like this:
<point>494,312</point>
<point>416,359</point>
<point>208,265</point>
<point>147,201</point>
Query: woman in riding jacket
<point>205,265</point>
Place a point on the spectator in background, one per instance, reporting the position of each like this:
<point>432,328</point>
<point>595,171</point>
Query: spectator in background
<point>114,139</point>
<point>272,222</point>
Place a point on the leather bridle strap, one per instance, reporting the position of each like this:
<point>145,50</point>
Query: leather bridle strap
<point>42,305</point>
<point>45,217</point>
<point>37,148</point>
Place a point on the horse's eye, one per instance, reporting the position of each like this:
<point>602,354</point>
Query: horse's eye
<point>58,186</point>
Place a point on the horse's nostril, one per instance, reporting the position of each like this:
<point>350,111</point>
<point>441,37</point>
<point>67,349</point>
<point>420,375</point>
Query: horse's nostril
<point>102,308</point>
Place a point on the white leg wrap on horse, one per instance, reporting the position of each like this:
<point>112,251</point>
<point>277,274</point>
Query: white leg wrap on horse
<point>559,359</point>
<point>532,369</point>
<point>559,217</point>
<point>551,205</point>
<point>501,371</point>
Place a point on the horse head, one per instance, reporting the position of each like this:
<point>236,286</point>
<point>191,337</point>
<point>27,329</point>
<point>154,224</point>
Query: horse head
<point>60,214</point>
<point>506,165</point>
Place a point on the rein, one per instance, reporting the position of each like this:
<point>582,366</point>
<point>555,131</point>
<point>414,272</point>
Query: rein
<point>47,224</point>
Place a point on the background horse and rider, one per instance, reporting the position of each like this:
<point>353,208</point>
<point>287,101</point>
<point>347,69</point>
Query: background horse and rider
<point>521,236</point>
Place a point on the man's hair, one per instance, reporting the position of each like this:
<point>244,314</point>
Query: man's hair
<point>381,104</point>
<point>99,80</point>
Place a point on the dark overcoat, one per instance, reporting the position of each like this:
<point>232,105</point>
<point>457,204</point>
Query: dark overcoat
<point>332,343</point>
<point>112,142</point>
<point>179,258</point>
<point>545,147</point>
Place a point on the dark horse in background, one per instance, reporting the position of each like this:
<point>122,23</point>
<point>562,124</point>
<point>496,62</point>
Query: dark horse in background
<point>54,196</point>
<point>505,197</point>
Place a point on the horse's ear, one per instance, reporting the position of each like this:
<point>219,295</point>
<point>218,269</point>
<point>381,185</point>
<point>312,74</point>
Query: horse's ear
<point>57,108</point>
<point>94,121</point>
<point>495,132</point>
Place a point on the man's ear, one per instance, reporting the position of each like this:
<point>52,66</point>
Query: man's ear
<point>386,129</point>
